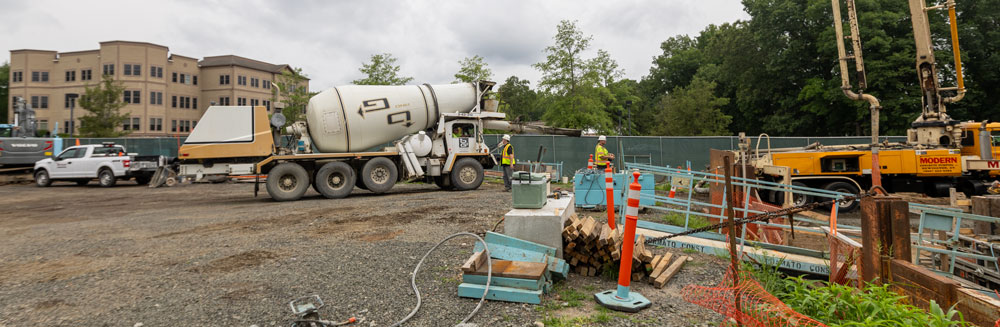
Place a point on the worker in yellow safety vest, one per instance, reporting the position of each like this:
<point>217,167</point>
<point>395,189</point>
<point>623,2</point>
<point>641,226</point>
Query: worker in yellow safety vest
<point>601,155</point>
<point>506,161</point>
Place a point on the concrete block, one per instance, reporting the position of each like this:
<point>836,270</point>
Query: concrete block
<point>543,226</point>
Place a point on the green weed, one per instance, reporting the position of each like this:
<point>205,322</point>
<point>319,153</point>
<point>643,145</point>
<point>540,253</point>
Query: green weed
<point>677,219</point>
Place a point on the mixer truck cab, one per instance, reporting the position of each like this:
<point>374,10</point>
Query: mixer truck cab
<point>368,137</point>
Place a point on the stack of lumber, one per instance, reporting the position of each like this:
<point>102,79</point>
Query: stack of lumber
<point>512,281</point>
<point>591,247</point>
<point>663,269</point>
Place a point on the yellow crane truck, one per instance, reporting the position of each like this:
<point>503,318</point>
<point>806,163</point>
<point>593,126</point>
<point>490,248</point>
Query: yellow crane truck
<point>940,153</point>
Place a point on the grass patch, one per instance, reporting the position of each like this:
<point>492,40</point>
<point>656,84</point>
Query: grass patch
<point>565,297</point>
<point>677,219</point>
<point>689,251</point>
<point>839,305</point>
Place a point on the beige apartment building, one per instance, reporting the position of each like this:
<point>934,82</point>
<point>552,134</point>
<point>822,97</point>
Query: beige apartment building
<point>165,93</point>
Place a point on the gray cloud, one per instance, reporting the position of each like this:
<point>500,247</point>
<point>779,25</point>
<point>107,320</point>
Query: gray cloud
<point>330,39</point>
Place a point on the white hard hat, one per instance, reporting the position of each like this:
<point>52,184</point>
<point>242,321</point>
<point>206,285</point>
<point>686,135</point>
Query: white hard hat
<point>602,138</point>
<point>506,137</point>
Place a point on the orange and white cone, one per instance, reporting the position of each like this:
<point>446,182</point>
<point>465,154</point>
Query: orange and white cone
<point>609,183</point>
<point>673,191</point>
<point>590,162</point>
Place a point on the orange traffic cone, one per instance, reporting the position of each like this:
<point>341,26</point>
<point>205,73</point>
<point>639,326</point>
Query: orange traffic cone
<point>673,191</point>
<point>590,162</point>
<point>77,141</point>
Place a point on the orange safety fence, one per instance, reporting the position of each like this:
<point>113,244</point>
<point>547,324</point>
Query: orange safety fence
<point>746,303</point>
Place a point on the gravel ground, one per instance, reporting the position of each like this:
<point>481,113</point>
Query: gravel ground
<point>214,255</point>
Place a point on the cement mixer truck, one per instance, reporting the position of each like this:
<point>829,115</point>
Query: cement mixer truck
<point>433,132</point>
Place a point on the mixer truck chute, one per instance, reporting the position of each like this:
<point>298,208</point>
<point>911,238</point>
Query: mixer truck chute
<point>435,133</point>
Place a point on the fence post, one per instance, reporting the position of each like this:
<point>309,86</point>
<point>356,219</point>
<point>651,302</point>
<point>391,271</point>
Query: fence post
<point>885,229</point>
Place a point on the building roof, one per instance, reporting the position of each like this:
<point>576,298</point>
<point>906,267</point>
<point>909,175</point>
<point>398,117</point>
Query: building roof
<point>135,43</point>
<point>233,60</point>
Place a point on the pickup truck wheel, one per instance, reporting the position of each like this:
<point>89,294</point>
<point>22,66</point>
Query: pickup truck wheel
<point>335,180</point>
<point>844,187</point>
<point>82,182</point>
<point>467,174</point>
<point>142,180</point>
<point>42,178</point>
<point>379,175</point>
<point>106,178</point>
<point>444,182</point>
<point>287,182</point>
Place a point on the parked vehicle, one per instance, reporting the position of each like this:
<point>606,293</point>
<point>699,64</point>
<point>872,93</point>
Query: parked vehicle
<point>106,162</point>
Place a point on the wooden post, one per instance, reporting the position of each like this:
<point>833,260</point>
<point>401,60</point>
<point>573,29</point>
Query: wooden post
<point>731,216</point>
<point>885,231</point>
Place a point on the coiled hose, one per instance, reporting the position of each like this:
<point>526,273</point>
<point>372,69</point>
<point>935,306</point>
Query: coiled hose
<point>413,278</point>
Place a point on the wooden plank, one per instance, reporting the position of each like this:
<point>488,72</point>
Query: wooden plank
<point>475,261</point>
<point>513,269</point>
<point>976,307</point>
<point>900,222</point>
<point>500,293</point>
<point>942,289</point>
<point>558,267</point>
<point>528,284</point>
<point>660,267</point>
<point>670,272</point>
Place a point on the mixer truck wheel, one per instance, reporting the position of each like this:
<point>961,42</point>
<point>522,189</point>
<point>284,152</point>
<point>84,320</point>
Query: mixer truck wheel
<point>335,180</point>
<point>467,174</point>
<point>444,182</point>
<point>287,182</point>
<point>379,175</point>
<point>844,187</point>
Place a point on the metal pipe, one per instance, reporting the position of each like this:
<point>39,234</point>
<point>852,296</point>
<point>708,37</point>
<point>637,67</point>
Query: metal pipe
<point>985,143</point>
<point>845,83</point>
<point>953,21</point>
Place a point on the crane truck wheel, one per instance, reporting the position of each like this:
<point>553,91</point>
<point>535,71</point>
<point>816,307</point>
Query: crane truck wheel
<point>444,182</point>
<point>844,187</point>
<point>335,180</point>
<point>42,178</point>
<point>379,175</point>
<point>801,199</point>
<point>287,182</point>
<point>467,174</point>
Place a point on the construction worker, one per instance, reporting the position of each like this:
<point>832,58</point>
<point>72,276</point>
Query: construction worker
<point>456,132</point>
<point>601,155</point>
<point>506,161</point>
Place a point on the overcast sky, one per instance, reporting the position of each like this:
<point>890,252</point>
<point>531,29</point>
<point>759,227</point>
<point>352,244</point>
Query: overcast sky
<point>331,39</point>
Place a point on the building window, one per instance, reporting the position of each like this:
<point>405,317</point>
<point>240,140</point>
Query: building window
<point>156,98</point>
<point>194,79</point>
<point>187,125</point>
<point>194,123</point>
<point>39,76</point>
<point>159,72</point>
<point>109,69</point>
<point>173,125</point>
<point>128,96</point>
<point>40,102</point>
<point>174,79</point>
<point>133,97</point>
<point>137,70</point>
<point>17,77</point>
<point>223,79</point>
<point>267,105</point>
<point>224,101</point>
<point>155,124</point>
<point>136,121</point>
<point>187,102</point>
<point>267,84</point>
<point>173,101</point>
<point>159,98</point>
<point>241,80</point>
<point>127,70</point>
<point>86,74</point>
<point>70,75</point>
<point>194,103</point>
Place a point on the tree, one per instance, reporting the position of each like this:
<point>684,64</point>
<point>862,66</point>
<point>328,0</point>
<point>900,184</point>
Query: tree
<point>382,70</point>
<point>693,111</point>
<point>604,69</point>
<point>4,90</point>
<point>518,100</point>
<point>572,99</point>
<point>563,66</point>
<point>103,103</point>
<point>473,69</point>
<point>294,93</point>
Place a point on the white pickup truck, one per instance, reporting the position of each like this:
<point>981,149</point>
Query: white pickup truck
<point>107,162</point>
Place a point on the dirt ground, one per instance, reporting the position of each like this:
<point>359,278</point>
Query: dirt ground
<point>215,255</point>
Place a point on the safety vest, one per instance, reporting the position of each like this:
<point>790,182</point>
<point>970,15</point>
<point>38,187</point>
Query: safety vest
<point>601,156</point>
<point>508,155</point>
